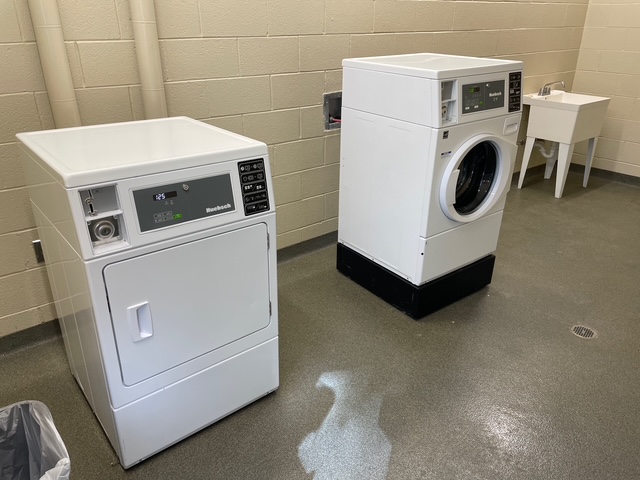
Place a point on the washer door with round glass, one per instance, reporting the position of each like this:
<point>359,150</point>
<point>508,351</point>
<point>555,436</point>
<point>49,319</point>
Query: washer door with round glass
<point>475,178</point>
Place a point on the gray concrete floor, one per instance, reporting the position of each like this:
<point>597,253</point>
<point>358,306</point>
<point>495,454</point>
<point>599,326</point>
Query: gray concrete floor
<point>493,386</point>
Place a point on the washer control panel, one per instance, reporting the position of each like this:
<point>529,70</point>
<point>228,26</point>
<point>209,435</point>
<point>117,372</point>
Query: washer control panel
<point>477,97</point>
<point>515,91</point>
<point>175,203</point>
<point>253,183</point>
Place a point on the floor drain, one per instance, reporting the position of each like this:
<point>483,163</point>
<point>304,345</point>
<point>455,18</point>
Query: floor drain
<point>583,332</point>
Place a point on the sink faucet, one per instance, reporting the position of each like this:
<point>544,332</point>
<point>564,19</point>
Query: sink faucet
<point>546,90</point>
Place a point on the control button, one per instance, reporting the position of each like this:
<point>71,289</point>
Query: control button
<point>254,187</point>
<point>256,207</point>
<point>185,187</point>
<point>255,198</point>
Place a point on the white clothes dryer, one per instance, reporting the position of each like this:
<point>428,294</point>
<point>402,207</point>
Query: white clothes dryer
<point>428,144</point>
<point>159,238</point>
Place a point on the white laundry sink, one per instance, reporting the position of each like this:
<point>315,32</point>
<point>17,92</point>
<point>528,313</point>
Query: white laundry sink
<point>565,117</point>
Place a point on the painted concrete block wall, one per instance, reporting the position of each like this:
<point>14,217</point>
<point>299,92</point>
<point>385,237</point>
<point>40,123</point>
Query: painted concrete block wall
<point>25,295</point>
<point>256,67</point>
<point>609,65</point>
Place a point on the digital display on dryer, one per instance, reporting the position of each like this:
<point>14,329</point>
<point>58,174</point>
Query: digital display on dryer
<point>158,197</point>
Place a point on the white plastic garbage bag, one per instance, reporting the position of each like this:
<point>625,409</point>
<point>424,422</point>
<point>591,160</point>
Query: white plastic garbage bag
<point>30,446</point>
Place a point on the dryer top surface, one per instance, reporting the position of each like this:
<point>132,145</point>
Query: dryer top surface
<point>432,65</point>
<point>82,156</point>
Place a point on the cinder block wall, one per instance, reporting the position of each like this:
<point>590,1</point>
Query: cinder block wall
<point>609,65</point>
<point>25,297</point>
<point>256,67</point>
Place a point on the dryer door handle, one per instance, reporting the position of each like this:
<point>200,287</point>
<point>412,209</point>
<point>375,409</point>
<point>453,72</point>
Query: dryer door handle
<point>451,187</point>
<point>140,322</point>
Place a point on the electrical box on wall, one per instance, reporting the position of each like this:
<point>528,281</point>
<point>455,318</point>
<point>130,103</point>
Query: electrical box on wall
<point>332,110</point>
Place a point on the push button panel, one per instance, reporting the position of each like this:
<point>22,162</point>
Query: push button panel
<point>253,184</point>
<point>515,91</point>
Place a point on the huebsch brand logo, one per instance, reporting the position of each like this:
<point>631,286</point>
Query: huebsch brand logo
<point>218,208</point>
<point>495,94</point>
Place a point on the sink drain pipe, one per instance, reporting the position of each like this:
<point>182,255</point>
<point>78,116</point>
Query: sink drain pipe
<point>145,35</point>
<point>543,150</point>
<point>45,18</point>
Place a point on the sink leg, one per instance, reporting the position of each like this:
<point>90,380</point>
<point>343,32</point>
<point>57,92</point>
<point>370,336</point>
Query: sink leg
<point>528,147</point>
<point>565,151</point>
<point>591,150</point>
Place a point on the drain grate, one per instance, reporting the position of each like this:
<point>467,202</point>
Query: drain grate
<point>583,332</point>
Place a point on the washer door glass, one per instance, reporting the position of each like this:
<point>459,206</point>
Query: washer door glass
<point>477,173</point>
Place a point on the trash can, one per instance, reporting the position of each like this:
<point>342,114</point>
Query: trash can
<point>30,446</point>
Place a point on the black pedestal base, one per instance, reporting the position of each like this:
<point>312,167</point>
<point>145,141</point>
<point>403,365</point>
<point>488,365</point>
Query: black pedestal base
<point>415,301</point>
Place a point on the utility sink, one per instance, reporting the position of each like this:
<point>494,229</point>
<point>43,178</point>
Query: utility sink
<point>565,117</point>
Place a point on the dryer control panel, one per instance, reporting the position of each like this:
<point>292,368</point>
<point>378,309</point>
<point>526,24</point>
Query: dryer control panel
<point>253,182</point>
<point>175,203</point>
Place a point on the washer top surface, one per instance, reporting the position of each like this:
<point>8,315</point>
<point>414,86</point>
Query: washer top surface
<point>433,65</point>
<point>103,153</point>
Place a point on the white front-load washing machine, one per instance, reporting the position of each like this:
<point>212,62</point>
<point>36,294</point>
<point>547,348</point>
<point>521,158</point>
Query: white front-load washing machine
<point>159,238</point>
<point>428,144</point>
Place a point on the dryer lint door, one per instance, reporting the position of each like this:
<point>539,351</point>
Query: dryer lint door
<point>173,305</point>
<point>476,178</point>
